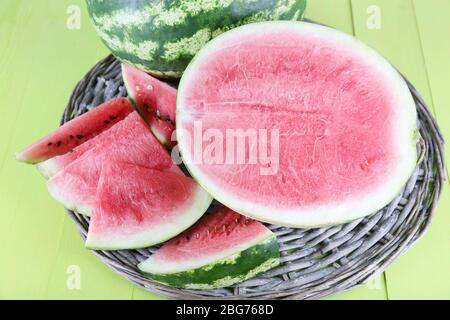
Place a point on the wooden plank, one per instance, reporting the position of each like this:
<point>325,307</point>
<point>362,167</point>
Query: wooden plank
<point>21,227</point>
<point>40,62</point>
<point>419,273</point>
<point>434,28</point>
<point>397,39</point>
<point>141,294</point>
<point>334,13</point>
<point>423,273</point>
<point>78,274</point>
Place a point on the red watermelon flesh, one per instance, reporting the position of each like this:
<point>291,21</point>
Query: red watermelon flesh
<point>75,185</point>
<point>343,119</point>
<point>150,93</point>
<point>120,131</point>
<point>163,131</point>
<point>76,131</point>
<point>154,100</point>
<point>138,207</point>
<point>214,234</point>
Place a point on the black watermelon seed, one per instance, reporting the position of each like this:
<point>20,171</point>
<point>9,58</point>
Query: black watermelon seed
<point>79,136</point>
<point>58,144</point>
<point>106,122</point>
<point>71,137</point>
<point>49,144</point>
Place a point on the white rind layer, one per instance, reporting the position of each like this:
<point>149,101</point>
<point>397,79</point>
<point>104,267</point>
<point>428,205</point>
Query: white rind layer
<point>327,214</point>
<point>156,265</point>
<point>186,217</point>
<point>81,208</point>
<point>48,168</point>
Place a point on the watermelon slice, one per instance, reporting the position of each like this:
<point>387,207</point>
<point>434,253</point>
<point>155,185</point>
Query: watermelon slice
<point>75,185</point>
<point>76,131</point>
<point>120,131</point>
<point>154,100</point>
<point>137,207</point>
<point>222,249</point>
<point>296,124</point>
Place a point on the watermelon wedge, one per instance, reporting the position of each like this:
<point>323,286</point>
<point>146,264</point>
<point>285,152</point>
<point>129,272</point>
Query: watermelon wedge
<point>137,207</point>
<point>154,100</point>
<point>296,124</point>
<point>222,249</point>
<point>75,185</point>
<point>120,131</point>
<point>76,131</point>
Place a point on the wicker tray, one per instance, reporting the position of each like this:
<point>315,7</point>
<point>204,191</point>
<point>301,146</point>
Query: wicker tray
<point>315,262</point>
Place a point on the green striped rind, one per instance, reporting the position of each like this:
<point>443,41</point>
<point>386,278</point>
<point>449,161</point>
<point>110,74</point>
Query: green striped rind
<point>161,37</point>
<point>228,271</point>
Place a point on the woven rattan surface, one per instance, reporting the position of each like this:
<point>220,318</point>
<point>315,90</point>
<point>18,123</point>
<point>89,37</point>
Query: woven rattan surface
<point>315,262</point>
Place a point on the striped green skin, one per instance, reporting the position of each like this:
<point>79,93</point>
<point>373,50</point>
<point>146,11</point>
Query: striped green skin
<point>226,272</point>
<point>162,36</point>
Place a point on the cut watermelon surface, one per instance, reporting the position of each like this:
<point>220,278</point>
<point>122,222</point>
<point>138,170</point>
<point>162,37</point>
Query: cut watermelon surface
<point>76,131</point>
<point>74,186</point>
<point>138,207</point>
<point>223,248</point>
<point>154,100</point>
<point>111,136</point>
<point>327,126</point>
<point>163,131</point>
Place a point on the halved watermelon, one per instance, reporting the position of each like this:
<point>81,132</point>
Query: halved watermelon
<point>296,124</point>
<point>137,207</point>
<point>75,185</point>
<point>76,131</point>
<point>222,249</point>
<point>154,100</point>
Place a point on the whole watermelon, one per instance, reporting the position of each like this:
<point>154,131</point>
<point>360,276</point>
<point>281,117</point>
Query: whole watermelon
<point>162,36</point>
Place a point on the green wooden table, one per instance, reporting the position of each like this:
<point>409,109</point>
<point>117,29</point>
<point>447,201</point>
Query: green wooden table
<point>45,49</point>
